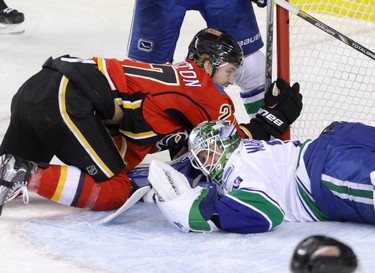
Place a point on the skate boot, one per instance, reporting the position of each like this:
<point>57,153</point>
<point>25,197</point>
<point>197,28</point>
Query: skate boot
<point>14,173</point>
<point>11,16</point>
<point>11,21</point>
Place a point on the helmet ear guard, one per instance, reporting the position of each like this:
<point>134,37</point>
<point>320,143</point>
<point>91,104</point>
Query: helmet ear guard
<point>218,45</point>
<point>322,254</point>
<point>210,144</point>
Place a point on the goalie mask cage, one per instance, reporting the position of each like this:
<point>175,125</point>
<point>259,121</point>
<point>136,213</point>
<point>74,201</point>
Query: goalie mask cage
<point>337,81</point>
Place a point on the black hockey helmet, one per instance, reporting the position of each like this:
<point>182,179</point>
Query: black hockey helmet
<point>217,44</point>
<point>322,254</point>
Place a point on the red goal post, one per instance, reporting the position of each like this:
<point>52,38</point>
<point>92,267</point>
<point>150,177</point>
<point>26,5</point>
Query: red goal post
<point>283,58</point>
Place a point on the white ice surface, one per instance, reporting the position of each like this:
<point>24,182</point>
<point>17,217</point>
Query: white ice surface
<point>46,237</point>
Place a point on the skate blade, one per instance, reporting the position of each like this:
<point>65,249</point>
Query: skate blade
<point>11,29</point>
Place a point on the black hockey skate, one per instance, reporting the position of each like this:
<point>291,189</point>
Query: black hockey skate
<point>14,173</point>
<point>11,16</point>
<point>11,21</point>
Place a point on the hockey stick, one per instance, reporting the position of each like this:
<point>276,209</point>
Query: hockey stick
<point>269,44</point>
<point>134,198</point>
<point>339,36</point>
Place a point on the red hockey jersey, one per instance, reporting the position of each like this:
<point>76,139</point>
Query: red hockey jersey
<point>162,103</point>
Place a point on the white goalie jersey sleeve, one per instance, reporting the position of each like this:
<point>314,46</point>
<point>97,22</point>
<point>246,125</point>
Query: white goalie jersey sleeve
<point>260,179</point>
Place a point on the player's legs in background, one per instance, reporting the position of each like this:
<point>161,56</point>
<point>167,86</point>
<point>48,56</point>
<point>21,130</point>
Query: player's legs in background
<point>252,82</point>
<point>237,18</point>
<point>155,30</point>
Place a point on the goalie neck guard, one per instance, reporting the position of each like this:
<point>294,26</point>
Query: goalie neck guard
<point>210,144</point>
<point>218,45</point>
<point>321,254</point>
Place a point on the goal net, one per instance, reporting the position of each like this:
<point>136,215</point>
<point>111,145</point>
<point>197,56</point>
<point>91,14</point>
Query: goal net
<point>337,81</point>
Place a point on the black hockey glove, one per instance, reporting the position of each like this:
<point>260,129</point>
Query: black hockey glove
<point>260,3</point>
<point>283,105</point>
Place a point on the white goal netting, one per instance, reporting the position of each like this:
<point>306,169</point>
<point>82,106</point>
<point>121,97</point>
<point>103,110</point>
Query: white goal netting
<point>337,81</point>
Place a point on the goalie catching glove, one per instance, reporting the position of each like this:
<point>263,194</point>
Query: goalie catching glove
<point>189,209</point>
<point>283,105</point>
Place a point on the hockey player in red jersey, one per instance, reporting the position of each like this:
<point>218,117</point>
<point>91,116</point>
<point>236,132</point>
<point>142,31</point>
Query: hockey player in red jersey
<point>68,109</point>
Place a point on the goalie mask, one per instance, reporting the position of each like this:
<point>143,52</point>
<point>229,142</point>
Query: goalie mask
<point>210,144</point>
<point>321,254</point>
<point>218,45</point>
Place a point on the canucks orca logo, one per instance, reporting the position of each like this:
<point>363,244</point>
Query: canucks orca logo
<point>172,140</point>
<point>145,45</point>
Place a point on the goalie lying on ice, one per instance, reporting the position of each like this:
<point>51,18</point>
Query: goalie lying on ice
<point>256,185</point>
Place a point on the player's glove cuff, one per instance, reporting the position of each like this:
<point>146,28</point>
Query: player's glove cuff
<point>255,129</point>
<point>273,121</point>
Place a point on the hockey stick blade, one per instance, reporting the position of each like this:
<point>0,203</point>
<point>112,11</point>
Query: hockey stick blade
<point>319,24</point>
<point>134,198</point>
